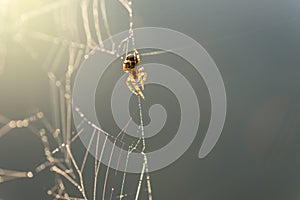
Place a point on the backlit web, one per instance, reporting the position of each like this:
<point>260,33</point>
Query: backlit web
<point>69,30</point>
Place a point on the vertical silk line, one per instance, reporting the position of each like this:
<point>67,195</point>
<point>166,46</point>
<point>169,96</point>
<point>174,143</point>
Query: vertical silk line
<point>145,164</point>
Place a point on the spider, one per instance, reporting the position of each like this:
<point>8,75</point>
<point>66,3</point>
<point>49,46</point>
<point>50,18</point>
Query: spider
<point>137,76</point>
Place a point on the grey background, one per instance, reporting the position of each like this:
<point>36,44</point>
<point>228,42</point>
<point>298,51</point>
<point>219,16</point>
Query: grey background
<point>256,46</point>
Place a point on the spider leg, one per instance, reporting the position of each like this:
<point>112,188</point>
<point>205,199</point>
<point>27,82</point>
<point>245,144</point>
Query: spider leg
<point>143,79</point>
<point>139,79</point>
<point>142,76</point>
<point>128,83</point>
<point>137,88</point>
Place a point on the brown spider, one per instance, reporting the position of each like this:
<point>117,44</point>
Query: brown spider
<point>136,76</point>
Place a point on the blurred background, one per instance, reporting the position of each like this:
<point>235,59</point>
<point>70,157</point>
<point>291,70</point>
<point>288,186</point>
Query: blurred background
<point>256,46</point>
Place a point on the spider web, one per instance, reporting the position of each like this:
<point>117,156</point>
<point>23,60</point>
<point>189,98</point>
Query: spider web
<point>69,45</point>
